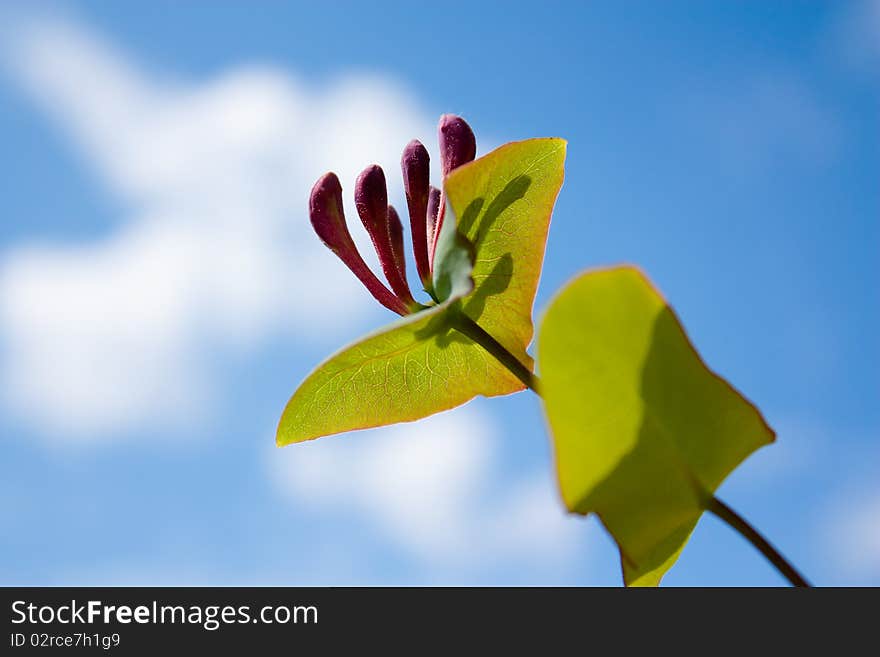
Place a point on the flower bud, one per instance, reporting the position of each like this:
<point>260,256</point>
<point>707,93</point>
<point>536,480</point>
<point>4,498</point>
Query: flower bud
<point>415,165</point>
<point>431,216</point>
<point>395,237</point>
<point>371,199</point>
<point>457,146</point>
<point>457,143</point>
<point>328,220</point>
<point>326,215</point>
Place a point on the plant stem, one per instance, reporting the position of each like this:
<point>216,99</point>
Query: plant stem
<point>475,332</point>
<point>736,521</point>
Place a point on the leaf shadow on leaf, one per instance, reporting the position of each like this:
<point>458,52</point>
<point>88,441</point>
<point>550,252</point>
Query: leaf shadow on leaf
<point>512,192</point>
<point>498,279</point>
<point>470,214</point>
<point>440,329</point>
<point>496,282</point>
<point>651,523</point>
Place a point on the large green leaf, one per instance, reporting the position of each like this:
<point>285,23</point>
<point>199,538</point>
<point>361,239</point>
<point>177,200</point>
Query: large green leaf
<point>504,201</point>
<point>420,365</point>
<point>644,432</point>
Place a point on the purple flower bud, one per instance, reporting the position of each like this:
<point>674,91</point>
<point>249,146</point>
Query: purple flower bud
<point>326,215</point>
<point>328,220</point>
<point>395,236</point>
<point>457,143</point>
<point>431,216</point>
<point>371,199</point>
<point>426,207</point>
<point>415,165</point>
<point>457,146</point>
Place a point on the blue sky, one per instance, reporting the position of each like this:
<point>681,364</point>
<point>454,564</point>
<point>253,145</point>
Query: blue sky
<point>161,294</point>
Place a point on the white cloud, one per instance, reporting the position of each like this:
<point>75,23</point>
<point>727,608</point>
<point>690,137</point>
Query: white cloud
<point>214,250</point>
<point>427,486</point>
<point>856,539</point>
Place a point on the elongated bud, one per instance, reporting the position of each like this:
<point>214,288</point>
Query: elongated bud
<point>326,214</point>
<point>457,143</point>
<point>328,220</point>
<point>457,146</point>
<point>395,237</point>
<point>416,165</point>
<point>431,216</point>
<point>371,199</point>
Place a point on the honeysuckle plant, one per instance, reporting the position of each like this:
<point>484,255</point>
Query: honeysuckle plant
<point>643,431</point>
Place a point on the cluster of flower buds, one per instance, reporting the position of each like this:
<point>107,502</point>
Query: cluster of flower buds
<point>425,203</point>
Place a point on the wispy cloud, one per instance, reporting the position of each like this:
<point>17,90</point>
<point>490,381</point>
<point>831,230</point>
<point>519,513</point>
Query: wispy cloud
<point>855,36</point>
<point>854,539</point>
<point>214,250</point>
<point>772,118</point>
<point>429,488</point>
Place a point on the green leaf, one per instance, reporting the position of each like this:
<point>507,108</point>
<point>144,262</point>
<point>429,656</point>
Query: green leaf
<point>417,366</point>
<point>503,202</point>
<point>420,365</point>
<point>644,432</point>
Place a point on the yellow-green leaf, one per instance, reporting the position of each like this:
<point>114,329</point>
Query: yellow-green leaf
<point>411,369</point>
<point>420,365</point>
<point>644,432</point>
<point>503,201</point>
